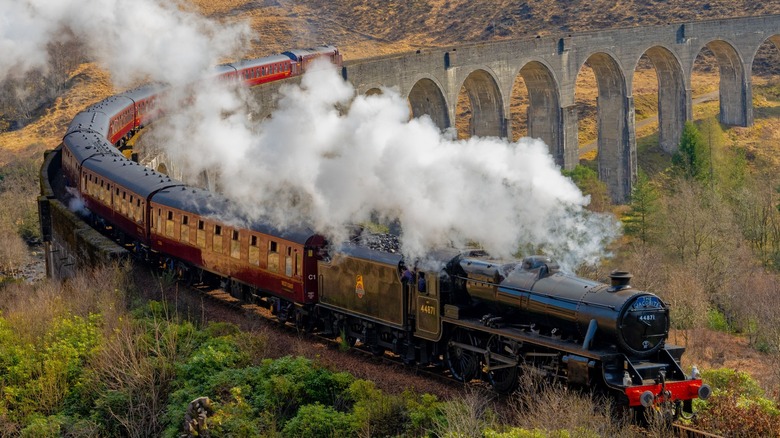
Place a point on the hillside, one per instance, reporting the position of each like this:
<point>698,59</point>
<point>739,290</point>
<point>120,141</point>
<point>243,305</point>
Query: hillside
<point>365,28</point>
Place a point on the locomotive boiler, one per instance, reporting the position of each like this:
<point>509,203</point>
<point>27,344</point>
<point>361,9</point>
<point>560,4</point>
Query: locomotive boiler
<point>534,291</point>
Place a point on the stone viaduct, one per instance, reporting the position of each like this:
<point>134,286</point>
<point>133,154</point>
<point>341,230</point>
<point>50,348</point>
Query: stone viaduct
<point>432,80</point>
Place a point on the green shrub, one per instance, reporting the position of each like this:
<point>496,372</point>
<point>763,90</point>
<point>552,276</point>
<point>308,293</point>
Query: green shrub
<point>234,417</point>
<point>716,320</point>
<point>270,394</point>
<point>316,420</point>
<point>738,406</point>
<point>375,413</point>
<point>37,378</point>
<point>213,356</point>
<point>40,427</point>
<point>423,411</point>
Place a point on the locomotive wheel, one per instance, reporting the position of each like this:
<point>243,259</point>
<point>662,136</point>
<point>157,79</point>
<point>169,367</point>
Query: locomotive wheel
<point>463,364</point>
<point>502,377</point>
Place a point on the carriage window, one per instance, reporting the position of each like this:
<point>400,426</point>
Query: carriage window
<point>254,251</point>
<point>298,263</point>
<point>185,228</point>
<point>200,235</point>
<point>169,224</point>
<point>288,263</point>
<point>217,244</point>
<point>273,257</point>
<point>235,246</point>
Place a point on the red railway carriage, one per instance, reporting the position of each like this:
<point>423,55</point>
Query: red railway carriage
<point>145,104</point>
<point>260,71</point>
<point>200,229</point>
<point>304,57</point>
<point>118,190</point>
<point>225,72</point>
<point>121,114</point>
<point>86,137</point>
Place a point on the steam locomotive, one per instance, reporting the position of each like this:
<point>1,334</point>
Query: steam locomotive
<point>478,317</point>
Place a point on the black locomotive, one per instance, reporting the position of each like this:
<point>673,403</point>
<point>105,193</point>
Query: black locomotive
<point>486,318</point>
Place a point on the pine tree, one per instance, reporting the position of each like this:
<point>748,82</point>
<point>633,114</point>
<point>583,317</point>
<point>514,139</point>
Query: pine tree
<point>692,158</point>
<point>643,207</point>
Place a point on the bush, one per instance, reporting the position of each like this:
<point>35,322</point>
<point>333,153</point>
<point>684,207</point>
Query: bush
<point>375,414</point>
<point>316,420</point>
<point>265,396</point>
<point>717,321</point>
<point>423,410</point>
<point>738,406</point>
<point>38,377</point>
<point>212,357</point>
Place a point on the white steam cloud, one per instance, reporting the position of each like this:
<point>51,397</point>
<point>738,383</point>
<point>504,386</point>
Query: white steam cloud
<point>327,157</point>
<point>331,159</point>
<point>135,39</point>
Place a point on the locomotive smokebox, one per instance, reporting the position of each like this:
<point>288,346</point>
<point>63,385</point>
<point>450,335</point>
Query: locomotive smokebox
<point>620,280</point>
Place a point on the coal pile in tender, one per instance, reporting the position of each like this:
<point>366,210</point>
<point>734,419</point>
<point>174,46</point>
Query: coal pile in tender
<point>380,241</point>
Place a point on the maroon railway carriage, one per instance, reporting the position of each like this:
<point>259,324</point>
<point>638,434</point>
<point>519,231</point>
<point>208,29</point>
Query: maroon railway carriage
<point>121,115</point>
<point>304,57</point>
<point>146,107</point>
<point>201,230</point>
<point>260,71</point>
<point>117,191</point>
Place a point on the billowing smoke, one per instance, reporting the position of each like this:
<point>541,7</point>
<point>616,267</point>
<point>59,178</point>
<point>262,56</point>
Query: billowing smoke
<point>327,157</point>
<point>135,39</point>
<point>330,158</point>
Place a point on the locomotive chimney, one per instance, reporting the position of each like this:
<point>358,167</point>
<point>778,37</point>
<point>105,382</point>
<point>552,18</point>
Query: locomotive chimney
<point>620,279</point>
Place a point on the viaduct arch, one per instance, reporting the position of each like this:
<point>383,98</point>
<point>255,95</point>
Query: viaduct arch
<point>433,78</point>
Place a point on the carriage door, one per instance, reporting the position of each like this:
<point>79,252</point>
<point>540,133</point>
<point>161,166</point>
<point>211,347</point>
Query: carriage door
<point>310,283</point>
<point>425,291</point>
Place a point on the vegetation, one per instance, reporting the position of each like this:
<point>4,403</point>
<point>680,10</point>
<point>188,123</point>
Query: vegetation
<point>75,362</point>
<point>702,230</point>
<point>738,406</point>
